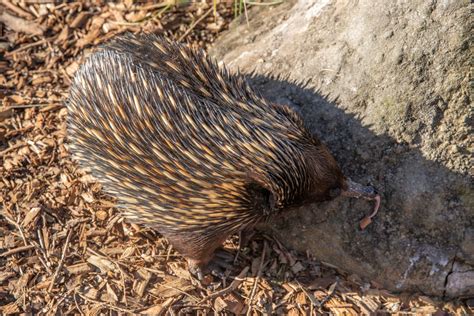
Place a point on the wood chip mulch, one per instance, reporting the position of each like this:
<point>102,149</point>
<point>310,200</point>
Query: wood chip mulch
<point>63,246</point>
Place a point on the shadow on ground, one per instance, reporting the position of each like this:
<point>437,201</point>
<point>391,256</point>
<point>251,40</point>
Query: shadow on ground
<point>421,240</point>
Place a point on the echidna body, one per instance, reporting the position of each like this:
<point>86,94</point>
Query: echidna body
<point>188,148</point>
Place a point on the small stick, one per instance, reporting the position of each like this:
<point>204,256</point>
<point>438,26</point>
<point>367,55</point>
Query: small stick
<point>122,279</point>
<point>60,300</point>
<point>77,305</point>
<point>246,13</point>
<point>11,221</point>
<point>2,153</point>
<point>24,47</point>
<point>43,261</point>
<point>61,261</point>
<point>38,250</point>
<point>265,3</point>
<point>27,106</point>
<point>259,273</point>
<point>22,13</point>
<point>147,7</point>
<point>180,291</point>
<point>314,300</point>
<point>330,292</point>
<point>168,253</point>
<point>16,250</point>
<point>193,25</point>
<point>233,285</point>
<point>110,306</point>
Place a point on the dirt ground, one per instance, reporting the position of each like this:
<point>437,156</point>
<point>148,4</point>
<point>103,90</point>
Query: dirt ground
<point>64,247</point>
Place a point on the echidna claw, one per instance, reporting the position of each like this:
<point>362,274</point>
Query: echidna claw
<point>199,275</point>
<point>217,267</point>
<point>218,273</point>
<point>196,272</point>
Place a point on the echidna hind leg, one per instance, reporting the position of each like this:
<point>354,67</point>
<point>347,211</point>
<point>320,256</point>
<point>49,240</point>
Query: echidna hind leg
<point>196,268</point>
<point>219,263</point>
<point>199,254</point>
<point>245,236</point>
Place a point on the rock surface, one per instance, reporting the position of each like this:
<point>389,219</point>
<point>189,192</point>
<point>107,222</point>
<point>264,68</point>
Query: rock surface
<point>395,113</point>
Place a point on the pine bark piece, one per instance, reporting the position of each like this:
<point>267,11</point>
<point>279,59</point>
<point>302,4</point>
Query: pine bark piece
<point>21,25</point>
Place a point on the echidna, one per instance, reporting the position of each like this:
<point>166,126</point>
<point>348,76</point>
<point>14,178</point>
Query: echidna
<point>189,148</point>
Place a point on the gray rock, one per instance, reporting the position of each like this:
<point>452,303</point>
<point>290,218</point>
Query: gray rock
<point>387,88</point>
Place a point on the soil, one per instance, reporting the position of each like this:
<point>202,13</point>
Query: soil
<point>386,86</point>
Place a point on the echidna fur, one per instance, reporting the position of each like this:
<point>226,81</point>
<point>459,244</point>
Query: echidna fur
<point>187,147</point>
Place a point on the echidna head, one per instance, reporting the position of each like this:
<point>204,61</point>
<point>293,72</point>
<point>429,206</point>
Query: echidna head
<point>326,178</point>
<point>309,176</point>
<point>329,182</point>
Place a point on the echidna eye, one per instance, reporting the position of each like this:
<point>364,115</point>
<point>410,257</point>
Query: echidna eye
<point>334,192</point>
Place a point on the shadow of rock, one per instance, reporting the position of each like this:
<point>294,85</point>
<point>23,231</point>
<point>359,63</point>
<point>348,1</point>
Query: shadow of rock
<point>397,77</point>
<point>422,238</point>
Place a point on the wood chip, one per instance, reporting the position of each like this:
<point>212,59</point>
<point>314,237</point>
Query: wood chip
<point>21,25</point>
<point>16,9</point>
<point>5,113</point>
<point>9,309</point>
<point>157,309</point>
<point>172,287</point>
<point>79,268</point>
<point>103,264</point>
<point>143,283</point>
<point>31,216</point>
<point>80,20</point>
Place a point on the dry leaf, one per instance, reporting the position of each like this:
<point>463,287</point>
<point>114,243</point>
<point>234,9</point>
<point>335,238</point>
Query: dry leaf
<point>103,264</point>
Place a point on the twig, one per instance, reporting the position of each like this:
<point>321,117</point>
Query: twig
<point>193,25</point>
<point>60,300</point>
<point>314,300</point>
<point>180,291</point>
<point>61,261</point>
<point>14,223</point>
<point>168,253</point>
<point>2,153</point>
<point>38,250</point>
<point>26,106</point>
<point>19,11</point>
<point>146,8</point>
<point>116,262</point>
<point>265,3</point>
<point>24,47</point>
<point>16,250</point>
<point>39,235</point>
<point>330,292</point>
<point>259,273</point>
<point>233,285</point>
<point>113,307</point>
<point>246,13</point>
<point>122,279</point>
<point>77,305</point>
<point>134,23</point>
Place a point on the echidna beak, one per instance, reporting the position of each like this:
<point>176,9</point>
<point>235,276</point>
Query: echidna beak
<point>357,190</point>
